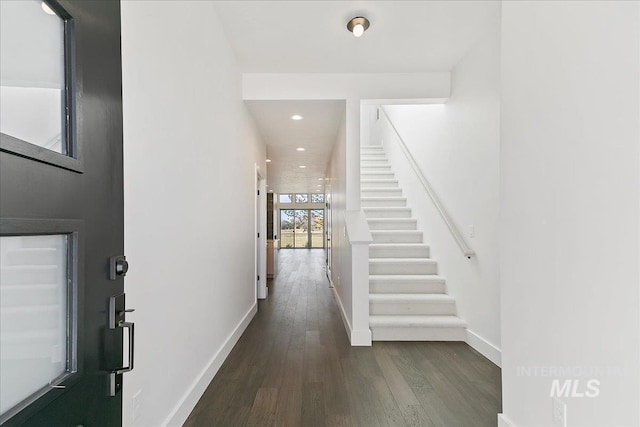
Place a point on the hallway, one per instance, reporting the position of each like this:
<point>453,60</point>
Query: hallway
<point>293,366</point>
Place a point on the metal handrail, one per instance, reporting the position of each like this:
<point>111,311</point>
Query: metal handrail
<point>466,249</point>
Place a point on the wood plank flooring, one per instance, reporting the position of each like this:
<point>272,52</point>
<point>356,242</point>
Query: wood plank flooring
<point>293,366</point>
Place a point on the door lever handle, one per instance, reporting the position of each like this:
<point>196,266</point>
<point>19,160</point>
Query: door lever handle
<point>117,313</point>
<point>129,367</point>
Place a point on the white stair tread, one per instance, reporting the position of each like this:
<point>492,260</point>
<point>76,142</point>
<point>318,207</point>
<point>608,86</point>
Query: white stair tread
<point>381,180</point>
<point>401,260</point>
<point>386,208</point>
<point>383,198</point>
<point>399,245</point>
<point>390,321</point>
<point>412,298</point>
<point>406,278</point>
<point>381,232</point>
<point>392,219</point>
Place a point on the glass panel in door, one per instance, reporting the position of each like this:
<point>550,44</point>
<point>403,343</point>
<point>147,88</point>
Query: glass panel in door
<point>34,330</point>
<point>286,228</point>
<point>317,228</point>
<point>32,74</point>
<point>301,228</point>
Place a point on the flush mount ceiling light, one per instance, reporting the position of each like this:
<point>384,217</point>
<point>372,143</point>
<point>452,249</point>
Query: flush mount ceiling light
<point>297,117</point>
<point>358,25</point>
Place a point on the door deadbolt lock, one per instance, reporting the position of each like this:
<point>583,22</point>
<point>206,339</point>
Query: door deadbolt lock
<point>118,267</point>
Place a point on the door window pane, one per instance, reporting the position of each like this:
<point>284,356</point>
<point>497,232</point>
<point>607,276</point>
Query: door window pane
<point>32,74</point>
<point>317,228</point>
<point>302,198</point>
<point>286,228</point>
<point>33,312</point>
<point>301,228</point>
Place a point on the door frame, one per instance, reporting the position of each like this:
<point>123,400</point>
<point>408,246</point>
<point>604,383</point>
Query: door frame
<point>260,233</point>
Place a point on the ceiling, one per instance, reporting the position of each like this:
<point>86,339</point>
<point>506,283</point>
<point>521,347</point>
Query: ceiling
<point>301,36</point>
<point>311,36</point>
<point>316,133</point>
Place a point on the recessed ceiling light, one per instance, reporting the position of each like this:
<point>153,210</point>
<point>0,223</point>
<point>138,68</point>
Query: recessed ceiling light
<point>47,9</point>
<point>297,117</point>
<point>268,160</point>
<point>358,25</point>
<point>300,149</point>
<point>302,166</point>
<point>320,179</point>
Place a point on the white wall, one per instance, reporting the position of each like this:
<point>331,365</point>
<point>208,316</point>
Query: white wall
<point>190,150</point>
<point>457,146</point>
<point>570,209</point>
<point>340,248</point>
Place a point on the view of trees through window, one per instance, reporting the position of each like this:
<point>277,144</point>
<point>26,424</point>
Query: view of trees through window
<point>301,228</point>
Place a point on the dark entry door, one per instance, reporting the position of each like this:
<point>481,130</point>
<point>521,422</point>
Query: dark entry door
<point>61,209</point>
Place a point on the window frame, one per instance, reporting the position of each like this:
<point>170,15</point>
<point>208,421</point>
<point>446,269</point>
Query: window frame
<point>72,158</point>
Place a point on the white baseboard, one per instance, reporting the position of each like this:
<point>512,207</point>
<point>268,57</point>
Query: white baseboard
<point>179,415</point>
<point>504,421</point>
<point>361,338</point>
<point>343,314</point>
<point>484,347</point>
<point>356,338</point>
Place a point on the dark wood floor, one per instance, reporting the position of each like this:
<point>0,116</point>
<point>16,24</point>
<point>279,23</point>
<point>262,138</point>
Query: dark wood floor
<point>293,366</point>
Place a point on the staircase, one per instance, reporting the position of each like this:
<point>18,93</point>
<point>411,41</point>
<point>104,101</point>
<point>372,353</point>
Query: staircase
<point>407,298</point>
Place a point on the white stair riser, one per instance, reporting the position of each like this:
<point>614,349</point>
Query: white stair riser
<point>376,251</point>
<point>377,175</point>
<point>394,224</point>
<point>402,267</point>
<point>387,213</point>
<point>379,183</point>
<point>380,203</point>
<point>412,308</point>
<point>369,168</point>
<point>418,334</point>
<point>406,287</point>
<point>381,192</point>
<point>397,237</point>
<point>373,158</point>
